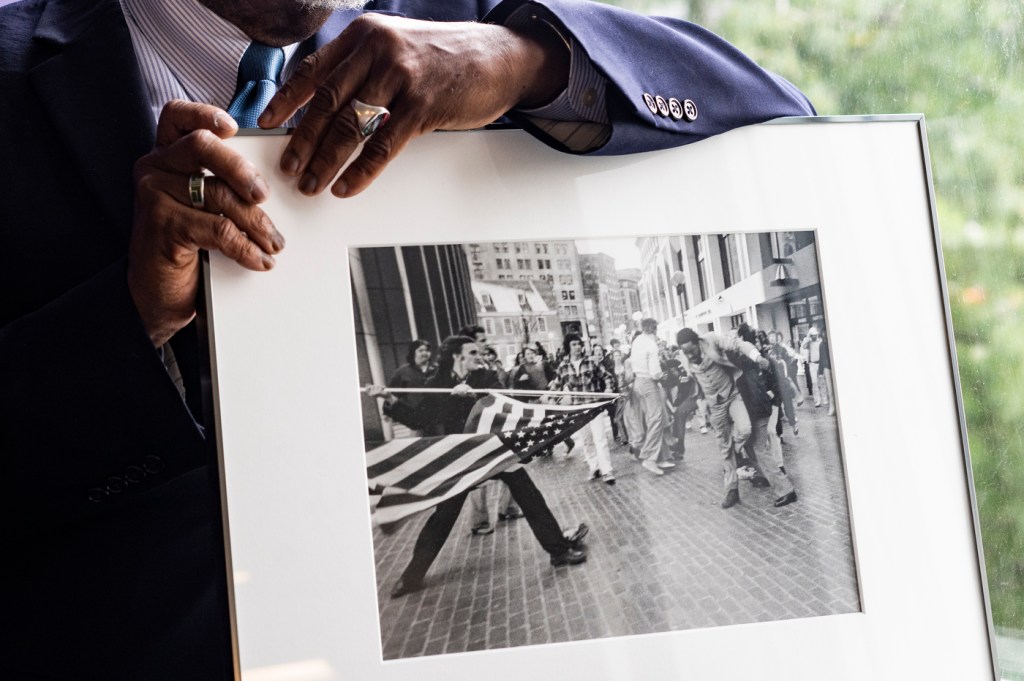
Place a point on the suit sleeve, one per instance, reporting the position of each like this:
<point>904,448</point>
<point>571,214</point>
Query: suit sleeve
<point>667,58</point>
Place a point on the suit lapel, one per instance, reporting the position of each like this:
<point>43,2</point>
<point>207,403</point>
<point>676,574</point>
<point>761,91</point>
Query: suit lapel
<point>91,89</point>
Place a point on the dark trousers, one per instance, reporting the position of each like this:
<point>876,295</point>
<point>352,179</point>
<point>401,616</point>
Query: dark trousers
<point>435,533</point>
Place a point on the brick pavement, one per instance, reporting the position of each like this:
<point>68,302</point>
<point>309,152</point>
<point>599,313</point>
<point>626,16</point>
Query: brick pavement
<point>663,556</point>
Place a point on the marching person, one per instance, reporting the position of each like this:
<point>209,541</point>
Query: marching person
<point>458,364</point>
<point>412,374</point>
<point>717,374</point>
<point>645,360</point>
<point>579,373</point>
<point>810,348</point>
<point>483,522</point>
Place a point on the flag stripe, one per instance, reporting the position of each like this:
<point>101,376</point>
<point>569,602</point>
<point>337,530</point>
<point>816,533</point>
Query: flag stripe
<point>444,455</point>
<point>387,457</point>
<point>466,461</point>
<point>415,474</point>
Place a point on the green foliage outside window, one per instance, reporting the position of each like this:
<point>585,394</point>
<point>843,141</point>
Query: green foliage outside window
<point>959,63</point>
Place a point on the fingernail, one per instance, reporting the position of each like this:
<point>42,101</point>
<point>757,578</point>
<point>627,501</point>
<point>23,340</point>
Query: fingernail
<point>268,261</point>
<point>223,119</point>
<point>340,189</point>
<point>277,240</point>
<point>290,163</point>
<point>308,183</point>
<point>260,190</point>
<point>265,117</point>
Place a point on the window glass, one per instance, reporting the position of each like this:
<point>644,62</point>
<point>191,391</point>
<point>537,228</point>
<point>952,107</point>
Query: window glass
<point>959,63</point>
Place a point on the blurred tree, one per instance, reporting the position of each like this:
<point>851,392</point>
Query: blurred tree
<point>961,65</point>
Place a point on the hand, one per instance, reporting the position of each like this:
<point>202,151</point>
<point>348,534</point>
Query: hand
<point>762,363</point>
<point>461,389</point>
<point>381,392</point>
<point>430,75</point>
<point>167,232</point>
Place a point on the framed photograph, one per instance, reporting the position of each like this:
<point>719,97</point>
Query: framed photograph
<point>684,414</point>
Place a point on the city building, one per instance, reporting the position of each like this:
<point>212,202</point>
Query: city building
<point>629,285</point>
<point>400,294</point>
<point>515,313</point>
<point>554,262</point>
<point>604,305</point>
<point>715,282</point>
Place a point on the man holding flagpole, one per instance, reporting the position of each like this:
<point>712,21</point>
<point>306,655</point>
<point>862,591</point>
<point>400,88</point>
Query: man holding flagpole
<point>459,357</point>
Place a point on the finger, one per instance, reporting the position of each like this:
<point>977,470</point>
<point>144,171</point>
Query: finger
<point>315,69</point>
<point>159,186</point>
<point>250,219</point>
<point>330,104</point>
<point>179,118</point>
<point>203,149</point>
<point>343,136</point>
<point>378,151</point>
<point>195,229</point>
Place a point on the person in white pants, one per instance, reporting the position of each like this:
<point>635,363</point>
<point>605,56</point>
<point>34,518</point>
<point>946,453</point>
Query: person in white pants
<point>579,373</point>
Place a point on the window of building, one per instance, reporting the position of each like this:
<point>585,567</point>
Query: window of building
<point>509,328</point>
<point>698,249</point>
<point>728,249</point>
<point>542,325</point>
<point>489,326</point>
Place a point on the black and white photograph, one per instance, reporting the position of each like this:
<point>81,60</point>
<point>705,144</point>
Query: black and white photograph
<point>571,440</point>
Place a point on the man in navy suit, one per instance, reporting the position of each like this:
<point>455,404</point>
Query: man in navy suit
<point>113,563</point>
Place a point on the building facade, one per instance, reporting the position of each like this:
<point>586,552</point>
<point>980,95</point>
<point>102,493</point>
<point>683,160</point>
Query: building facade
<point>603,294</point>
<point>515,313</point>
<point>554,262</point>
<point>715,282</point>
<point>400,294</point>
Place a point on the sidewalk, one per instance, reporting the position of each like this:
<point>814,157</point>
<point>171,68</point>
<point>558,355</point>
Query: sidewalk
<point>663,556</point>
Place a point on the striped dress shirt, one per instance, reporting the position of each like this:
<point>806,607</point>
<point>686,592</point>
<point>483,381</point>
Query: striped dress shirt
<point>186,51</point>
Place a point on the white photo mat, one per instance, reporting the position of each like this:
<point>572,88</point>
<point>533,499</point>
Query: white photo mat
<point>289,425</point>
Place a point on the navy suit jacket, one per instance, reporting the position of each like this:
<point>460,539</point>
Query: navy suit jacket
<point>114,565</point>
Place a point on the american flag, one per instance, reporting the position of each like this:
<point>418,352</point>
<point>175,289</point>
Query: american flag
<point>407,476</point>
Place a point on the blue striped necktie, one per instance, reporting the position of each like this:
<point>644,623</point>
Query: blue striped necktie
<point>257,82</point>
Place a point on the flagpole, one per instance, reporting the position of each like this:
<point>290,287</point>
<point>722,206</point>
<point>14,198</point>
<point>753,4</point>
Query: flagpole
<point>501,391</point>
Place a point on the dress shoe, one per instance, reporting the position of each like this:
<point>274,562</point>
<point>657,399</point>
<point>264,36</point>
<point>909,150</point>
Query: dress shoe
<point>760,481</point>
<point>482,528</point>
<point>785,500</point>
<point>406,586</point>
<point>608,478</point>
<point>576,538</point>
<point>732,497</point>
<point>652,467</point>
<point>568,557</point>
<point>569,444</point>
<point>595,475</point>
<point>513,515</point>
<point>666,464</point>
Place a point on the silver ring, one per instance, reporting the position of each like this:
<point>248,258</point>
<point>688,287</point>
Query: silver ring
<point>369,118</point>
<point>196,190</point>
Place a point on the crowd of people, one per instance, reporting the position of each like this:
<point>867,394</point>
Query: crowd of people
<point>743,386</point>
